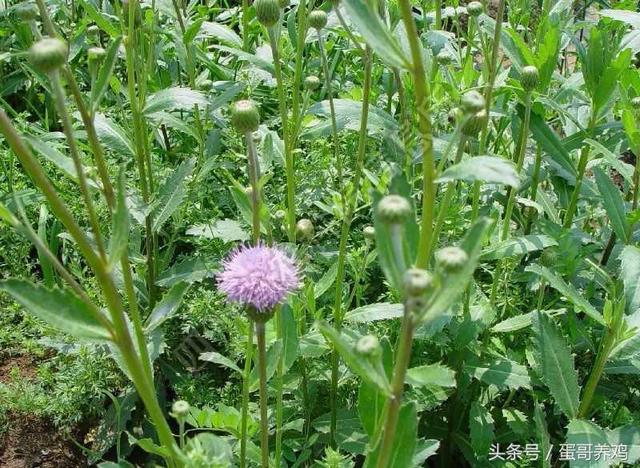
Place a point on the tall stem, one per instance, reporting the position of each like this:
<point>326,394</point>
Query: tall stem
<point>246,375</point>
<point>262,370</point>
<point>288,154</point>
<point>352,203</point>
<point>397,387</point>
<point>608,342</point>
<point>423,108</point>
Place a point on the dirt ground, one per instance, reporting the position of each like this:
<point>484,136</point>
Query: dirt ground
<point>29,441</point>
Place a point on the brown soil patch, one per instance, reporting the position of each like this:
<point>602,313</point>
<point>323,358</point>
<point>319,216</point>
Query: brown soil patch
<point>23,365</point>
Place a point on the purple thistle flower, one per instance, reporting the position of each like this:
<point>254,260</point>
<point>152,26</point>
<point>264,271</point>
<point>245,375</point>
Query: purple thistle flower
<point>259,276</point>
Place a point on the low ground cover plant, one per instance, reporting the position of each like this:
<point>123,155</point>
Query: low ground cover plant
<point>351,233</point>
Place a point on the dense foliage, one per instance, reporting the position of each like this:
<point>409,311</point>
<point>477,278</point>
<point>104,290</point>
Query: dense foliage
<point>352,233</point>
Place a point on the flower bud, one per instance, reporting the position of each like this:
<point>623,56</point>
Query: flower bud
<point>180,409</point>
<point>394,209</point>
<point>96,53</point>
<point>444,58</point>
<point>280,215</point>
<point>312,83</point>
<point>417,282</point>
<point>451,259</point>
<point>26,12</point>
<point>635,102</point>
<point>474,123</point>
<point>369,346</point>
<point>48,54</point>
<point>245,116</point>
<point>267,12</point>
<point>472,102</point>
<point>529,78</point>
<point>475,8</point>
<point>318,19</point>
<point>369,232</point>
<point>305,229</point>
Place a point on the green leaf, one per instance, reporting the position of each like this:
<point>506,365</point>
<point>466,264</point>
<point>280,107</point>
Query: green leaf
<point>374,312</point>
<point>613,203</point>
<point>517,422</point>
<point>542,434</point>
<point>518,246</point>
<point>101,18</point>
<point>60,308</point>
<point>172,99</point>
<point>404,441</point>
<point>325,281</point>
<point>273,355</point>
<point>227,230</point>
<point>521,321</point>
<point>218,358</point>
<point>566,290</point>
<point>167,307</point>
<point>630,272</point>
<point>556,364</point>
<point>119,241</point>
<point>431,374</point>
<point>424,450</point>
<point>345,343</point>
<point>104,75</point>
<point>221,32</point>
<point>290,341</point>
<point>489,169</point>
<point>112,136</point>
<point>266,65</point>
<point>190,271</point>
<point>586,434</point>
<point>171,194</point>
<point>630,17</point>
<point>481,429</point>
<point>371,403</point>
<point>503,373</point>
<point>554,151</point>
<point>368,22</point>
<point>628,436</point>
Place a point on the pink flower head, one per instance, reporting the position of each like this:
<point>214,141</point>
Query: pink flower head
<point>259,276</point>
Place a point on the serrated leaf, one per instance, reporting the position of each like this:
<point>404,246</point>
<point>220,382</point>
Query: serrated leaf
<point>220,32</point>
<point>172,99</point>
<point>167,307</point>
<point>325,281</point>
<point>628,436</point>
<point>227,230</point>
<point>374,312</point>
<point>613,203</point>
<point>112,136</point>
<point>518,246</point>
<point>218,358</point>
<point>566,290</point>
<point>431,374</point>
<point>375,32</point>
<point>488,169</point>
<point>630,272</point>
<point>521,321</point>
<point>586,434</point>
<point>171,194</point>
<point>503,373</point>
<point>556,364</point>
<point>189,271</point>
<point>481,429</point>
<point>60,308</point>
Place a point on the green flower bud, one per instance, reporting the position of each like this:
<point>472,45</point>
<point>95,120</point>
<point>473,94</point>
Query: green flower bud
<point>529,78</point>
<point>635,102</point>
<point>444,58</point>
<point>318,19</point>
<point>451,259</point>
<point>394,209</point>
<point>180,409</point>
<point>48,54</point>
<point>245,116</point>
<point>312,83</point>
<point>280,215</point>
<point>27,12</point>
<point>96,53</point>
<point>472,102</point>
<point>474,123</point>
<point>369,346</point>
<point>417,282</point>
<point>305,229</point>
<point>267,12</point>
<point>369,232</point>
<point>475,8</point>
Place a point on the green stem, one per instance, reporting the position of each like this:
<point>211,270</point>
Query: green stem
<point>253,169</point>
<point>334,125</point>
<point>262,369</point>
<point>607,344</point>
<point>352,203</point>
<point>397,387</point>
<point>246,375</point>
<point>297,113</point>
<point>535,180</point>
<point>279,389</point>
<point>288,154</point>
<point>423,108</point>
